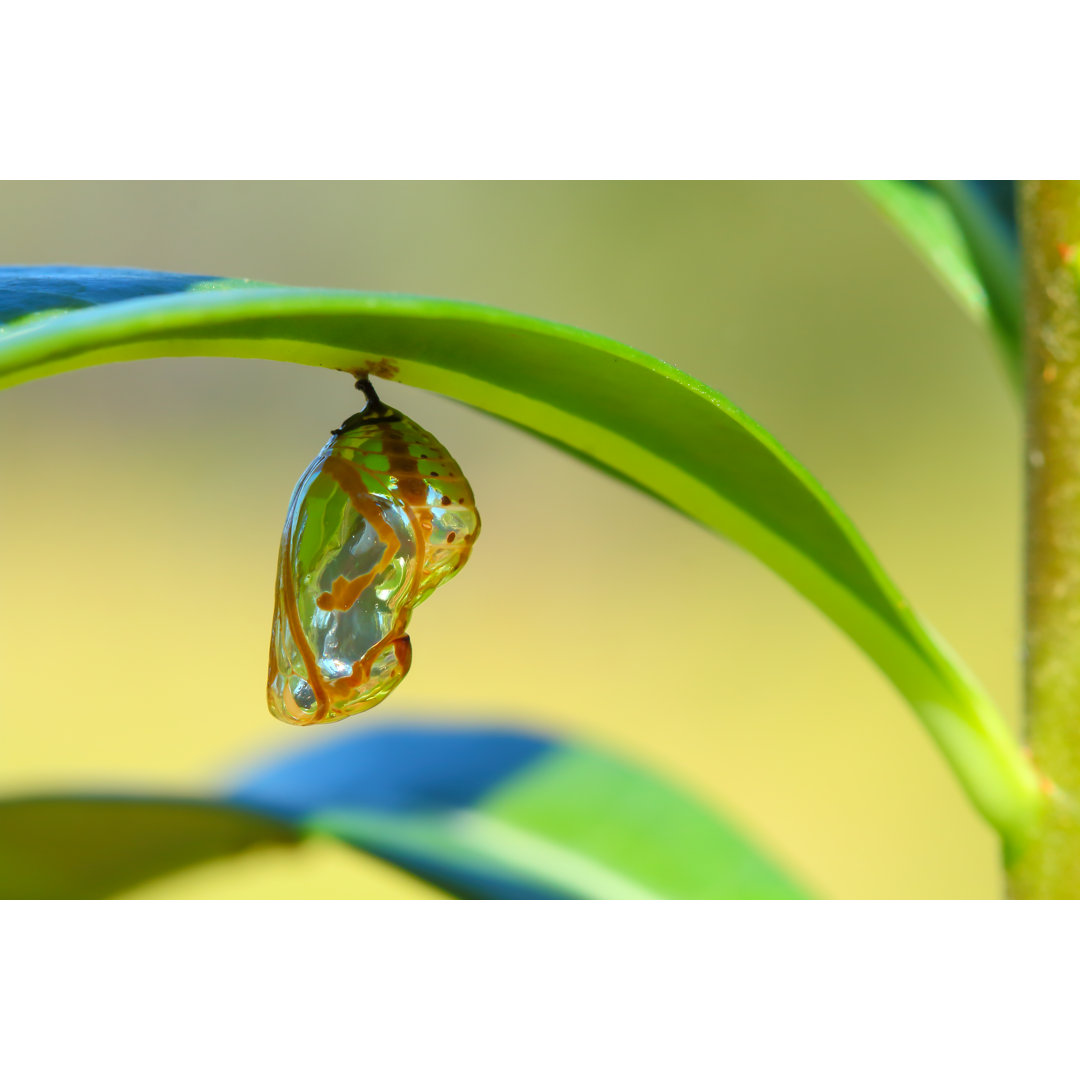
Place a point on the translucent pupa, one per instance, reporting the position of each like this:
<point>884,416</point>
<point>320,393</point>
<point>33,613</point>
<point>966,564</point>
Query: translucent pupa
<point>376,523</point>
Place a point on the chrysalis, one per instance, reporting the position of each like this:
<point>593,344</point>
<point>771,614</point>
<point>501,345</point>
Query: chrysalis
<point>377,522</point>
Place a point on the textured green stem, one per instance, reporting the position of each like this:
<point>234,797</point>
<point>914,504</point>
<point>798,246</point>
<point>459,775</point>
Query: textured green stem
<point>1050,211</point>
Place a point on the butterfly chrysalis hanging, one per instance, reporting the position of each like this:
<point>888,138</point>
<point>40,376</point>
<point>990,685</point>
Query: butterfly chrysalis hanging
<point>376,523</point>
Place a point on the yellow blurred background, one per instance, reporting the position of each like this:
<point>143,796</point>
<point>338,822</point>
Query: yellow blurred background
<point>142,506</point>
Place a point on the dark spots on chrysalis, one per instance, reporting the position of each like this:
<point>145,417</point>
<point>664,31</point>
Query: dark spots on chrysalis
<point>450,537</point>
<point>446,500</point>
<point>433,474</point>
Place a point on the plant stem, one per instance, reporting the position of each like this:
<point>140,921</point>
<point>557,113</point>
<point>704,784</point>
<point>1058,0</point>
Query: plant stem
<point>1049,868</point>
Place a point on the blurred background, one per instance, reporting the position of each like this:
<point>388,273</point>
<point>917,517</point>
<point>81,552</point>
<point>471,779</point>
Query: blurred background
<point>142,506</point>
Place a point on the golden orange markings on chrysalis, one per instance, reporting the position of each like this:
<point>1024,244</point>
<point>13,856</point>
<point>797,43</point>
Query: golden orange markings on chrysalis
<point>376,523</point>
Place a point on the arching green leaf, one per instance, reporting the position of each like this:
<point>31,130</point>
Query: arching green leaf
<point>632,414</point>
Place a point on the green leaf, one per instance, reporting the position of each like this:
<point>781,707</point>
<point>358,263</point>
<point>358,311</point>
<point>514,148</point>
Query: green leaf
<point>75,848</point>
<point>632,414</point>
<point>510,813</point>
<point>594,827</point>
<point>972,250</point>
<point>483,813</point>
